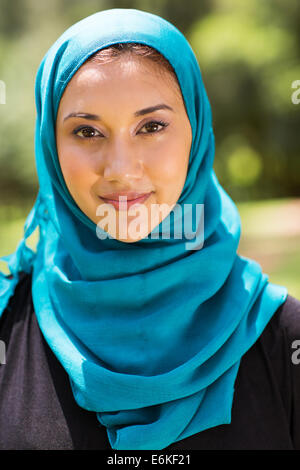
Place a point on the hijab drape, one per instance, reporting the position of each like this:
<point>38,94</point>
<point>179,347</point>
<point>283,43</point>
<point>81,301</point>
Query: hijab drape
<point>150,333</point>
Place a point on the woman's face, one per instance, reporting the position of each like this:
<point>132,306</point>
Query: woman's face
<point>121,146</point>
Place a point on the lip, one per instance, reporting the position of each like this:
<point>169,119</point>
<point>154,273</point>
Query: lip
<point>127,199</point>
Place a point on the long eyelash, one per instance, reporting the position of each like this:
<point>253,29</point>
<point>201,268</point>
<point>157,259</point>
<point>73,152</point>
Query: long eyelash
<point>85,138</point>
<point>162,123</point>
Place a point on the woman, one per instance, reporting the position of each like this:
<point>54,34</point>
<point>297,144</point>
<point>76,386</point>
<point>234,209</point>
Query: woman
<point>133,339</point>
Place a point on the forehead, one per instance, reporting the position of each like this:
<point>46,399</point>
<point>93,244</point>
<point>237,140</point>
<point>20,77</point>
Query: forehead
<point>130,77</point>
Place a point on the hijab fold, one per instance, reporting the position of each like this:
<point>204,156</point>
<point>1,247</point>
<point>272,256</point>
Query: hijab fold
<point>151,334</point>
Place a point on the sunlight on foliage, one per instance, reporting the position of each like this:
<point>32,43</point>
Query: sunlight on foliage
<point>244,166</point>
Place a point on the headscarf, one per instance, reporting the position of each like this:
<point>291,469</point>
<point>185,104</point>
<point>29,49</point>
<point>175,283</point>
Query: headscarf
<point>150,333</point>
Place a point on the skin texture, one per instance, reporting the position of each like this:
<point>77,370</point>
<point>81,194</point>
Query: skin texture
<point>127,152</point>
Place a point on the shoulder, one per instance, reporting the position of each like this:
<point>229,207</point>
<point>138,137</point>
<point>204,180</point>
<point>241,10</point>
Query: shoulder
<point>280,348</point>
<point>281,336</point>
<point>289,323</point>
<point>286,322</point>
<point>277,351</point>
<point>289,316</point>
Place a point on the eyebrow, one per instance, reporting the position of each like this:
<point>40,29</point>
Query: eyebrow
<point>141,112</point>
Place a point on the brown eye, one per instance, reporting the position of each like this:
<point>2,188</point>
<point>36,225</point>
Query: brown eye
<point>86,132</point>
<point>153,127</point>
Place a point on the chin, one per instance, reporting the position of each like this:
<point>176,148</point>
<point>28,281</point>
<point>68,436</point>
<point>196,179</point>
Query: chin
<point>129,240</point>
<point>134,239</point>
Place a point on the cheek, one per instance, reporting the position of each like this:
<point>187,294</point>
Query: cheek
<point>75,168</point>
<point>171,167</point>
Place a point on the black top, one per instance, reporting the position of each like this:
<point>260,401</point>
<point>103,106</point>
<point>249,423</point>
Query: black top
<point>38,411</point>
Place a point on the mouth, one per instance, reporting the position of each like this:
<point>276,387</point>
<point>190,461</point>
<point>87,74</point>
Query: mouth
<point>123,202</point>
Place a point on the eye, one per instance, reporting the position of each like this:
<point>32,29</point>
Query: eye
<point>88,133</point>
<point>154,127</point>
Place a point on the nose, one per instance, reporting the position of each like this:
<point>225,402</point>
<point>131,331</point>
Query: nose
<point>122,163</point>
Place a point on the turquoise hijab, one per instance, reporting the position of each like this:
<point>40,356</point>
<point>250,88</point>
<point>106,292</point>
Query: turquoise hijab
<point>151,334</point>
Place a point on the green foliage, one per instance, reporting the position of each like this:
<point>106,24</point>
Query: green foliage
<point>270,235</point>
<point>248,53</point>
<point>244,166</point>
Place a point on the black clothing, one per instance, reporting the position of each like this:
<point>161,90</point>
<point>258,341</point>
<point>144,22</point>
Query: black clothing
<point>38,411</point>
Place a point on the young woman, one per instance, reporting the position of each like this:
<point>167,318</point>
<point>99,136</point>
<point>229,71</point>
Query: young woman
<point>120,333</point>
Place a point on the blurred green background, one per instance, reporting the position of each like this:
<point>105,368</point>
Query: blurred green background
<point>249,56</point>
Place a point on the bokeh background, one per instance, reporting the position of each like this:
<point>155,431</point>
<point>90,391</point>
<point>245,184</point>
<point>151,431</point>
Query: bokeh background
<point>249,55</point>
